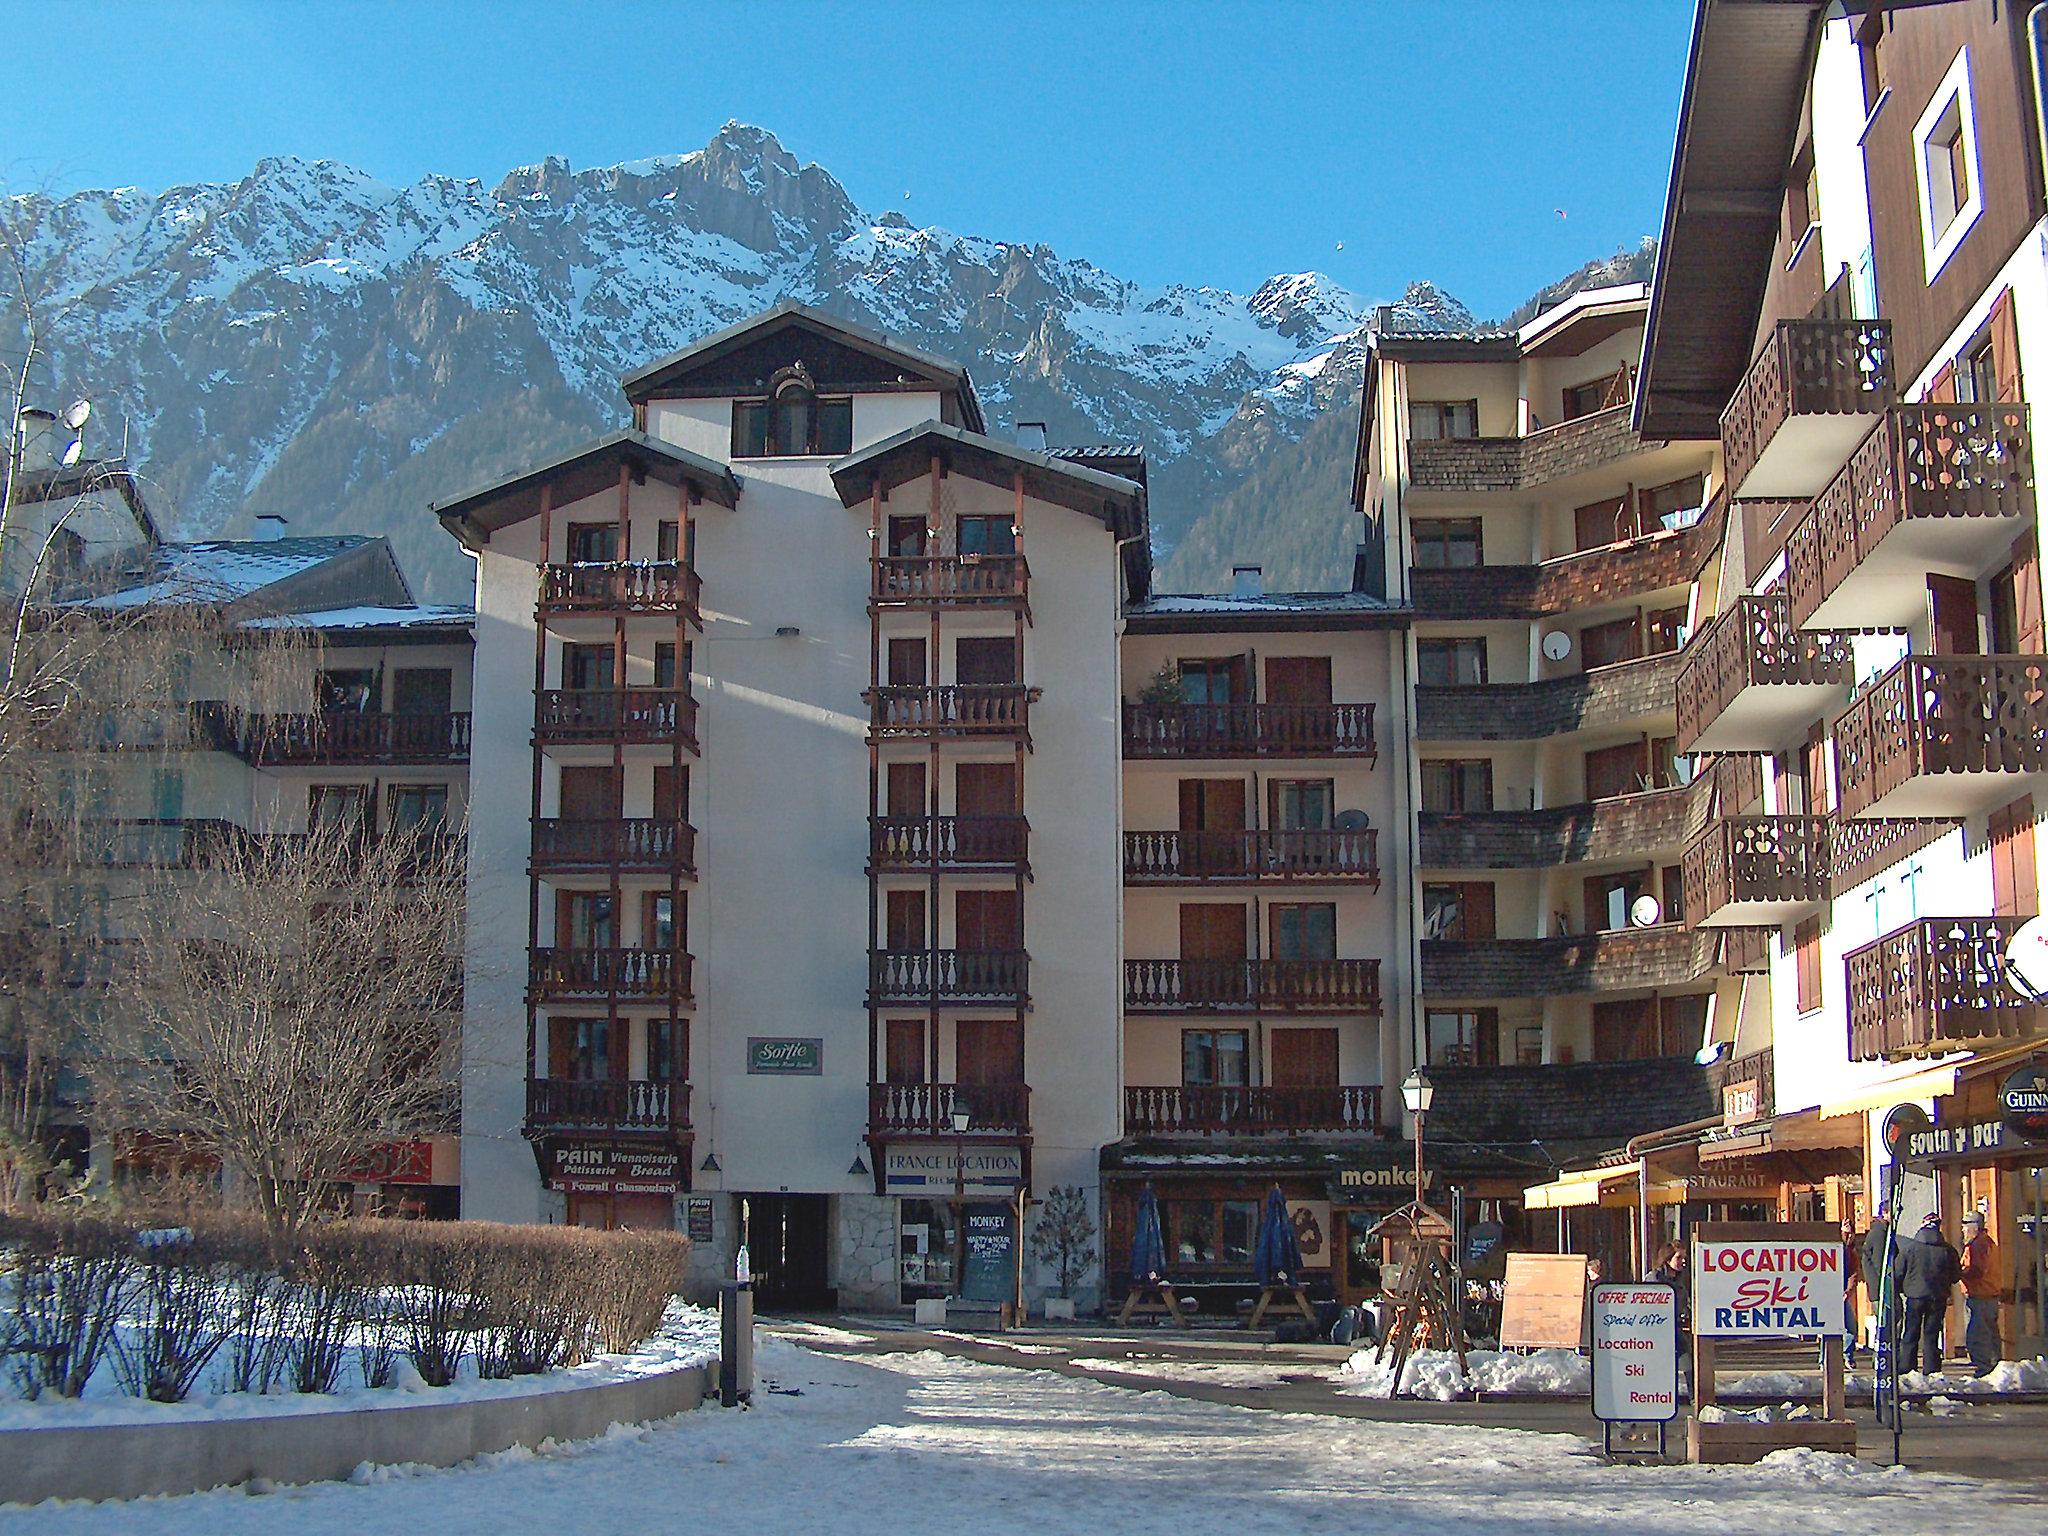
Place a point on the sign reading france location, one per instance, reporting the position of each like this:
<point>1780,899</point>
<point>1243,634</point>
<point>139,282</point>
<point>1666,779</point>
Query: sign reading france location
<point>1767,1287</point>
<point>1635,1353</point>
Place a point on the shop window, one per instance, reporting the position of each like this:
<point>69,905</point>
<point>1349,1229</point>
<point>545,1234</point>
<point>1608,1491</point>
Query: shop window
<point>1448,543</point>
<point>1436,420</point>
<point>1457,786</point>
<point>1211,1232</point>
<point>1444,663</point>
<point>1945,153</point>
<point>928,1241</point>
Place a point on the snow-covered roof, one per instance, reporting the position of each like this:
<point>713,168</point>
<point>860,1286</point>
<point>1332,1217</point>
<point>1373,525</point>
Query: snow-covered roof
<point>1182,612</point>
<point>370,616</point>
<point>1617,295</point>
<point>215,570</point>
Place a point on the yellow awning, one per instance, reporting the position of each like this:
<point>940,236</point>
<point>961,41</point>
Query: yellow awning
<point>1928,1083</point>
<point>1579,1187</point>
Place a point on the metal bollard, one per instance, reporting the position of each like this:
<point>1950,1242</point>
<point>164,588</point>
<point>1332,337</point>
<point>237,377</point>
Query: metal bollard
<point>735,1344</point>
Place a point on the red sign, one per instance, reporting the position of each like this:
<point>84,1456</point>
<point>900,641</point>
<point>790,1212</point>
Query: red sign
<point>396,1162</point>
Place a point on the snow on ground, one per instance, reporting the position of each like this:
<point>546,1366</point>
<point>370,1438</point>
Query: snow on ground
<point>2006,1376</point>
<point>1218,1373</point>
<point>1434,1374</point>
<point>928,1445</point>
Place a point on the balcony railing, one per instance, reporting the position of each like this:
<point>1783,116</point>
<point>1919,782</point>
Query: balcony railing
<point>334,737</point>
<point>621,586</point>
<point>1519,463</point>
<point>1251,1111</point>
<point>1752,871</point>
<point>1943,736</point>
<point>1808,397</point>
<point>949,976</point>
<point>1753,680</point>
<point>921,1111</point>
<point>1932,488</point>
<point>555,1103</point>
<point>951,842</point>
<point>1938,984</point>
<point>635,845</point>
<point>1862,846</point>
<point>1618,827</point>
<point>1619,960</point>
<point>1236,986</point>
<point>1177,858</point>
<point>951,710</point>
<point>1624,692</point>
<point>1249,730</point>
<point>569,716</point>
<point>657,975</point>
<point>943,581</point>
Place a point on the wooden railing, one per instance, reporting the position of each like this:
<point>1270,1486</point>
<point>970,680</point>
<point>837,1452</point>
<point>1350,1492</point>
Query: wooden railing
<point>632,715</point>
<point>621,586</point>
<point>1862,846</point>
<point>1249,730</point>
<point>1204,986</point>
<point>1616,960</point>
<point>631,843</point>
<point>1805,368</point>
<point>941,580</point>
<point>1938,984</point>
<point>1941,715</point>
<point>659,974</point>
<point>918,842</point>
<point>612,1104</point>
<point>898,1111</point>
<point>334,736</point>
<point>1239,1111</point>
<point>949,710</point>
<point>1778,860</point>
<point>1172,857</point>
<point>949,975</point>
<point>1754,644</point>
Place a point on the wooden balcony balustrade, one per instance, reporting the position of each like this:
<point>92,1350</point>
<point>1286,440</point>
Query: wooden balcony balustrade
<point>635,844</point>
<point>1179,1111</point>
<point>1753,871</point>
<point>1933,488</point>
<point>657,975</point>
<point>1475,464</point>
<point>1938,984</point>
<point>1177,857</point>
<point>334,737</point>
<point>1618,693</point>
<point>1238,986</point>
<point>949,976</point>
<point>947,711</point>
<point>1616,827</point>
<point>1943,737</point>
<point>1249,730</point>
<point>1615,960</point>
<point>1809,396</point>
<point>570,716</point>
<point>1753,680</point>
<point>607,1104</point>
<point>622,587</point>
<point>918,842</point>
<point>943,581</point>
<point>924,1111</point>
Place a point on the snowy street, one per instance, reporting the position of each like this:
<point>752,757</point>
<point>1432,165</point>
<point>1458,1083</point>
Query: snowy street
<point>921,1442</point>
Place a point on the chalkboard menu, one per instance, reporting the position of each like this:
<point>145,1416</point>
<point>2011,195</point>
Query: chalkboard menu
<point>990,1273</point>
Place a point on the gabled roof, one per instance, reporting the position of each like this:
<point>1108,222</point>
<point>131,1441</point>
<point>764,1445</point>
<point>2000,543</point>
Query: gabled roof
<point>908,363</point>
<point>474,516</point>
<point>380,623</point>
<point>898,460</point>
<point>1584,320</point>
<point>213,571</point>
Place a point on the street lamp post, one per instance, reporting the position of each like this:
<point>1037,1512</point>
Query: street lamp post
<point>1416,1092</point>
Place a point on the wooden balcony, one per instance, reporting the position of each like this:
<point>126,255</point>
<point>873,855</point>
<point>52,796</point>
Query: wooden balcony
<point>1252,858</point>
<point>951,711</point>
<point>613,587</point>
<point>924,1111</point>
<point>652,976</point>
<point>334,738</point>
<point>1933,489</point>
<point>1248,986</point>
<point>1809,397</point>
<point>1756,871</point>
<point>1943,737</point>
<point>1264,1111</point>
<point>1626,692</point>
<point>636,845</point>
<point>1619,960</point>
<point>563,1104</point>
<point>1938,984</point>
<point>1753,681</point>
<point>1617,827</point>
<point>949,581</point>
<point>1249,730</point>
<point>972,976</point>
<point>1471,465</point>
<point>603,716</point>
<point>949,842</point>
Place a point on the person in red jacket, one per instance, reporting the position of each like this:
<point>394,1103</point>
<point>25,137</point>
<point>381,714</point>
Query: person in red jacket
<point>1980,1294</point>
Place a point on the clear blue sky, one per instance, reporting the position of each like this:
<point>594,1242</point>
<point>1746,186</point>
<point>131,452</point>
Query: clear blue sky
<point>1199,142</point>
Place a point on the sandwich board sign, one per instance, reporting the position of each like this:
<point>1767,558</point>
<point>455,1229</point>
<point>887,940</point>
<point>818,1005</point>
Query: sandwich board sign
<point>1635,1356</point>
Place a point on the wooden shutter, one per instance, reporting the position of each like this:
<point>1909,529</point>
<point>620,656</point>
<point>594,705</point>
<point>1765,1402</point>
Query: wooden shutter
<point>1806,946</point>
<point>906,663</point>
<point>561,1048</point>
<point>1475,909</point>
<point>1302,1058</point>
<point>905,931</point>
<point>2026,596</point>
<point>1298,680</point>
<point>904,1061</point>
<point>987,920</point>
<point>1952,614</point>
<point>2015,887</point>
<point>1942,387</point>
<point>989,1051</point>
<point>1599,523</point>
<point>671,793</point>
<point>1211,930</point>
<point>2005,350</point>
<point>985,789</point>
<point>906,790</point>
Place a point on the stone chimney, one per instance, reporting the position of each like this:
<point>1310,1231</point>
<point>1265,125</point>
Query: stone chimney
<point>1247,581</point>
<point>38,439</point>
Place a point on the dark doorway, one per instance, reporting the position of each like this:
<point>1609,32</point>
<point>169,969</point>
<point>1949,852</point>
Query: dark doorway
<point>786,1242</point>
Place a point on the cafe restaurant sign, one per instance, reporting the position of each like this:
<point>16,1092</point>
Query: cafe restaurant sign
<point>944,1170</point>
<point>785,1056</point>
<point>615,1168</point>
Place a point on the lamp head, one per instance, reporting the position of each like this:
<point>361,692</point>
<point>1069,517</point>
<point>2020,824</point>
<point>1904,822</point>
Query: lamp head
<point>1417,1092</point>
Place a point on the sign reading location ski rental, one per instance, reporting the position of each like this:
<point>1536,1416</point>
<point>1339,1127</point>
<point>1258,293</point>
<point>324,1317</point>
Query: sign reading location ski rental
<point>1768,1287</point>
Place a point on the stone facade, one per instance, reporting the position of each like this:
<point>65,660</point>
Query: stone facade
<point>865,1256</point>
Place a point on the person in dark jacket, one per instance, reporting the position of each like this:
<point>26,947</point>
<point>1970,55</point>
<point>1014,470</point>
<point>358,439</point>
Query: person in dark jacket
<point>1927,1267</point>
<point>1873,1251</point>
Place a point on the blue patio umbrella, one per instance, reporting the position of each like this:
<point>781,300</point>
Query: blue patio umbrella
<point>1277,1258</point>
<point>1148,1243</point>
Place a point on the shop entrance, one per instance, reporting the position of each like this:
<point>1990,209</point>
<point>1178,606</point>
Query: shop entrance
<point>787,1237</point>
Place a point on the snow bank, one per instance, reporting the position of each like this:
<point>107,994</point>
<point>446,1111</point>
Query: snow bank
<point>1434,1374</point>
<point>2006,1376</point>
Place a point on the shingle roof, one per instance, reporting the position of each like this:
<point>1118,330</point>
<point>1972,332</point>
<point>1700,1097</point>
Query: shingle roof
<point>214,570</point>
<point>1567,1104</point>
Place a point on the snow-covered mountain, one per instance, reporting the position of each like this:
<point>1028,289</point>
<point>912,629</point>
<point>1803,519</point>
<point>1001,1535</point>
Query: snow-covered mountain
<point>311,342</point>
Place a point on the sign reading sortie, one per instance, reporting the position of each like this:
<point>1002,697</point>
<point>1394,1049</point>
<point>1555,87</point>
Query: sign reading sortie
<point>1767,1287</point>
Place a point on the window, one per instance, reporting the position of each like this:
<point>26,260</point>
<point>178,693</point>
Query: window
<point>1661,506</point>
<point>1447,543</point>
<point>1434,420</point>
<point>423,690</point>
<point>1211,1231</point>
<point>1304,930</point>
<point>1467,1037</point>
<point>985,659</point>
<point>582,1051</point>
<point>1212,680</point>
<point>1302,805</point>
<point>1529,1045</point>
<point>353,689</point>
<point>987,536</point>
<point>664,924</point>
<point>1459,910</point>
<point>1215,1058</point>
<point>586,666</point>
<point>665,664</point>
<point>1806,950</point>
<point>593,543</point>
<point>584,920</point>
<point>1457,786</point>
<point>1665,626</point>
<point>792,421</point>
<point>1450,663</point>
<point>1868,37</point>
<point>1977,374</point>
<point>664,1050</point>
<point>338,807</point>
<point>1619,770</point>
<point>1602,645</point>
<point>1945,155</point>
<point>422,807</point>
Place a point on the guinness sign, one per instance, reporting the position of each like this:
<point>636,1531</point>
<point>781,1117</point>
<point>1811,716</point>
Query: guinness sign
<point>2023,1103</point>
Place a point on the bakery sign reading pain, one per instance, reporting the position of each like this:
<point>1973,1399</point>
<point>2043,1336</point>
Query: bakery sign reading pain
<point>1767,1287</point>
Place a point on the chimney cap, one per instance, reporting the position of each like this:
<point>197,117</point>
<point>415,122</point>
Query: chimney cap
<point>1031,434</point>
<point>270,527</point>
<point>1248,581</point>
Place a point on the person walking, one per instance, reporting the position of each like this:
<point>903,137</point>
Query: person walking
<point>1875,1241</point>
<point>1927,1267</point>
<point>1980,1294</point>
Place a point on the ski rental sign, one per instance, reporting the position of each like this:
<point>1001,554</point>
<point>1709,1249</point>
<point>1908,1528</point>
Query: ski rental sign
<point>1768,1287</point>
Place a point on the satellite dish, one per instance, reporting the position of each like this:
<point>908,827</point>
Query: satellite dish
<point>1353,821</point>
<point>70,455</point>
<point>2026,959</point>
<point>77,414</point>
<point>1557,645</point>
<point>1644,911</point>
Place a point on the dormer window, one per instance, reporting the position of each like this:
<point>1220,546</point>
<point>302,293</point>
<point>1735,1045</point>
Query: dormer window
<point>792,421</point>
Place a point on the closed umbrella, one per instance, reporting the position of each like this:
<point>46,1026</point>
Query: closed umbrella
<point>1148,1243</point>
<point>1277,1258</point>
